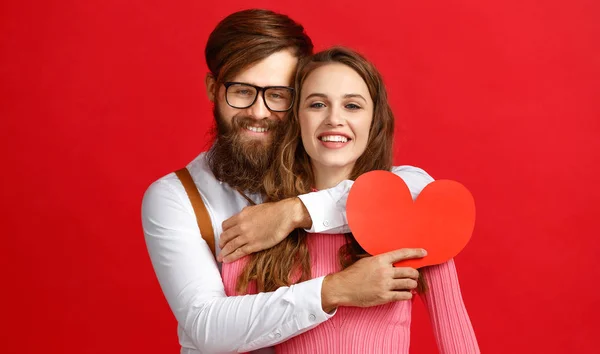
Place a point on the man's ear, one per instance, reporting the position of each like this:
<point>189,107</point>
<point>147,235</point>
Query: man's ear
<point>211,85</point>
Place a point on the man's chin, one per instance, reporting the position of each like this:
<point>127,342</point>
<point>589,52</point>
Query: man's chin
<point>241,159</point>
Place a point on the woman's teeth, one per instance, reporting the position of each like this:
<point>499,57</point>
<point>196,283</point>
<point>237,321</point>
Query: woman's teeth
<point>334,138</point>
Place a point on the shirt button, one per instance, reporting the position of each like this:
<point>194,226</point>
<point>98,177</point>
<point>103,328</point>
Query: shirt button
<point>325,223</point>
<point>312,317</point>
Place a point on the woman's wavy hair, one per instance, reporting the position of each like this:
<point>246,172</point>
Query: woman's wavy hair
<point>291,174</point>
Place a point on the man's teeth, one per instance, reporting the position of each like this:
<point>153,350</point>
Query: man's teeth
<point>257,130</point>
<point>334,138</point>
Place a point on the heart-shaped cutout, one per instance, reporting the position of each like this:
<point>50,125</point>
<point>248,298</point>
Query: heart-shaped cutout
<point>383,217</point>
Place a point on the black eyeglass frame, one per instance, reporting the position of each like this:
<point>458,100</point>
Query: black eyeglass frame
<point>260,89</point>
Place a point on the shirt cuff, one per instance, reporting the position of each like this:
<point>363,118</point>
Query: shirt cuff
<point>306,297</point>
<point>323,212</point>
<point>309,292</point>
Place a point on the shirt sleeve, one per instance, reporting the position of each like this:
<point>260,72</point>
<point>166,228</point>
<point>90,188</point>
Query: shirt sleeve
<point>327,208</point>
<point>190,280</point>
<point>449,318</point>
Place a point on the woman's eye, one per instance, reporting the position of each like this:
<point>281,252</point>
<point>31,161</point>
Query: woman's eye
<point>352,106</point>
<point>317,105</point>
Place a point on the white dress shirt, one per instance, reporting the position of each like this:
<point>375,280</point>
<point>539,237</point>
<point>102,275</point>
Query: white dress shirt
<point>208,320</point>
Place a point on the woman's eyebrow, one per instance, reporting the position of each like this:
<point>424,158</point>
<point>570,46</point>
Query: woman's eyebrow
<point>354,95</point>
<point>316,94</point>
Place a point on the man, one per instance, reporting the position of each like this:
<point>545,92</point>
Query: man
<point>252,57</point>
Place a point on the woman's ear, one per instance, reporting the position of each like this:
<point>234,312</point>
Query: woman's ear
<point>211,85</point>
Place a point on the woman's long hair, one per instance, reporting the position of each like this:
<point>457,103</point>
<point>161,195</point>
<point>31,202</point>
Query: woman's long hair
<point>291,174</point>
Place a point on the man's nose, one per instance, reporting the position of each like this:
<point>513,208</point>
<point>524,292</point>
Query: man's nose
<point>259,109</point>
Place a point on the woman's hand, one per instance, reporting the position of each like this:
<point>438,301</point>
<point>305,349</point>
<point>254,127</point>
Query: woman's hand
<point>261,226</point>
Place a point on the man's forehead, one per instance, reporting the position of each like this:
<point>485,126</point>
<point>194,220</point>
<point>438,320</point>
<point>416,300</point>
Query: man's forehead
<point>278,69</point>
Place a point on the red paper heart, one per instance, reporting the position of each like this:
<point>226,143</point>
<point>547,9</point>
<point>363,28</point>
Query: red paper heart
<point>383,217</point>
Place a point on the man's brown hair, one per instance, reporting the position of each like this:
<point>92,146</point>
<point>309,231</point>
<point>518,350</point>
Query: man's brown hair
<point>249,36</point>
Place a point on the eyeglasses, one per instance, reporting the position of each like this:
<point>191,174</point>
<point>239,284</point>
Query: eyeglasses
<point>241,95</point>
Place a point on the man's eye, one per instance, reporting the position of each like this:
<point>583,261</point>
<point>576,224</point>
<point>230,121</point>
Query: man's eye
<point>277,94</point>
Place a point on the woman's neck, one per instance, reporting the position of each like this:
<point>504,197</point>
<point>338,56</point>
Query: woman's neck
<point>328,177</point>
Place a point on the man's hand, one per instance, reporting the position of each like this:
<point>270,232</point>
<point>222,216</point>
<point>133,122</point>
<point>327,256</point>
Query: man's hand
<point>372,281</point>
<point>260,227</point>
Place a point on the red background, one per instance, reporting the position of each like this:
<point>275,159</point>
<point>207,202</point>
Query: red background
<point>100,98</point>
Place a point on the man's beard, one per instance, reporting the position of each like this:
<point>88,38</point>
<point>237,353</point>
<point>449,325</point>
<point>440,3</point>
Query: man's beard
<point>239,161</point>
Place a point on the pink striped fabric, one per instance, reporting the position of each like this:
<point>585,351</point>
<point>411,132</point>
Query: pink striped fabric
<point>381,329</point>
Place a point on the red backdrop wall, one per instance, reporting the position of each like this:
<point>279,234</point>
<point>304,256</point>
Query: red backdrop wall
<point>100,98</point>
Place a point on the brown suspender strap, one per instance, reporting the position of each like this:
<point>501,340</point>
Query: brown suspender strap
<point>202,217</point>
<point>250,201</point>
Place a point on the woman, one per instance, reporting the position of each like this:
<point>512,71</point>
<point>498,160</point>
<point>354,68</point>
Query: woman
<point>342,126</point>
